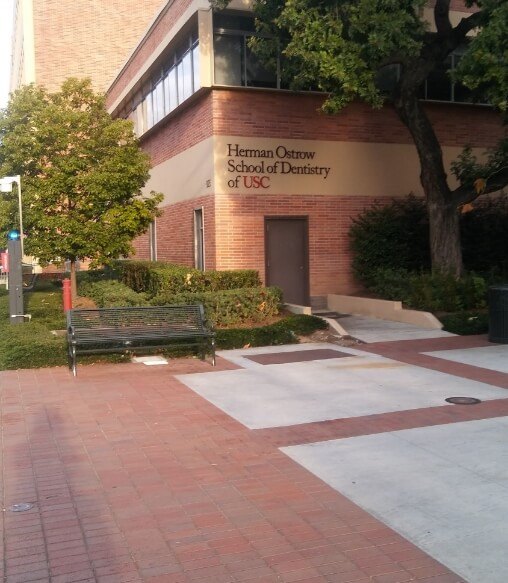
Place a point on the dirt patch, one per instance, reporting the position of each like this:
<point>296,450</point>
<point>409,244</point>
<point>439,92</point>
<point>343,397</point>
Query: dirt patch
<point>331,337</point>
<point>85,303</point>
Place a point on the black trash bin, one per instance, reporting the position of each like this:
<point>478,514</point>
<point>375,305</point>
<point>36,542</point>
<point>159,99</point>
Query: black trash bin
<point>498,313</point>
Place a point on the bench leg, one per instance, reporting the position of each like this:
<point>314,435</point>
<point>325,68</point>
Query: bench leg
<point>72,360</point>
<point>213,351</point>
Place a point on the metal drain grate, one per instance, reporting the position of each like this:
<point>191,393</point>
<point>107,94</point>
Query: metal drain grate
<point>463,400</point>
<point>21,507</point>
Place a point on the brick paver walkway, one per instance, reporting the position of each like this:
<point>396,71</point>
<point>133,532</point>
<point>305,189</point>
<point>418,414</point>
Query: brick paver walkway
<point>134,477</point>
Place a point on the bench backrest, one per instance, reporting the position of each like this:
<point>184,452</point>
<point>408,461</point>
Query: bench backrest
<point>175,317</point>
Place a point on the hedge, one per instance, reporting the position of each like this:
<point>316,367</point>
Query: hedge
<point>230,307</point>
<point>224,308</point>
<point>434,292</point>
<point>157,278</point>
<point>30,346</point>
<point>466,323</point>
<point>94,275</point>
<point>111,294</point>
<point>391,236</point>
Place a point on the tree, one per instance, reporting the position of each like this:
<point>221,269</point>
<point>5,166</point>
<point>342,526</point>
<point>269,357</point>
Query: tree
<point>81,173</point>
<point>342,46</point>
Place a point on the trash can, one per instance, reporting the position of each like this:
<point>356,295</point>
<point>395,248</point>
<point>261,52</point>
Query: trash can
<point>498,313</point>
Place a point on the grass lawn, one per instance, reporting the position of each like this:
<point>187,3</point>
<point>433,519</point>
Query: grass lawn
<point>33,345</point>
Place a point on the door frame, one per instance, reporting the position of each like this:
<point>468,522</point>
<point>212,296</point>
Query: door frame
<point>306,265</point>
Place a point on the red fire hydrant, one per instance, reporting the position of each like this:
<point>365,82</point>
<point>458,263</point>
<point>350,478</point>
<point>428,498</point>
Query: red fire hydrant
<point>67,296</point>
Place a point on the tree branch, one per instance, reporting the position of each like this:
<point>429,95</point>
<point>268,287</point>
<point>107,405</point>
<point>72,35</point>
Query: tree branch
<point>442,17</point>
<point>494,183</point>
<point>467,25</point>
<point>438,45</point>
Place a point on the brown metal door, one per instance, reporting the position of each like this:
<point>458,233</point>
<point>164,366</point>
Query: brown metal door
<point>286,244</point>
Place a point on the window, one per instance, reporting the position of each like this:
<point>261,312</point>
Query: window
<point>228,57</point>
<point>152,240</point>
<point>173,82</point>
<point>158,101</point>
<point>184,76</point>
<point>235,63</point>
<point>199,240</point>
<point>439,85</point>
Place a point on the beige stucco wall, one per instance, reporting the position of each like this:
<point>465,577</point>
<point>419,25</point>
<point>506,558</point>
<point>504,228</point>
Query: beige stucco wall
<point>186,176</point>
<point>341,168</point>
<point>382,309</point>
<point>351,169</point>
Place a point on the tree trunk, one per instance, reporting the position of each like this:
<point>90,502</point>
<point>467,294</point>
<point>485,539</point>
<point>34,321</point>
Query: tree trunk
<point>74,283</point>
<point>445,247</point>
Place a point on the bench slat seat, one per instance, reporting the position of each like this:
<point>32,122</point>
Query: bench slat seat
<point>137,328</point>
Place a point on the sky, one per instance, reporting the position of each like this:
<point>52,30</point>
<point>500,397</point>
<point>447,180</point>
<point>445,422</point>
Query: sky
<point>6,8</point>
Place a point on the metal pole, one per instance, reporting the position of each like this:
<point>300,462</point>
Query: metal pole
<point>16,308</point>
<point>6,186</point>
<point>21,234</point>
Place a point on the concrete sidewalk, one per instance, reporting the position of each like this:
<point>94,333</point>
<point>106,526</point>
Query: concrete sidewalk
<point>151,474</point>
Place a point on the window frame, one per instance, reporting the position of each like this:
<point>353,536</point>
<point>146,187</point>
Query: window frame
<point>199,238</point>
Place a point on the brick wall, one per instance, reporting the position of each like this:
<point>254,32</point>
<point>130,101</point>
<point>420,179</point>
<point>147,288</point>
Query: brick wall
<point>142,247</point>
<point>265,114</point>
<point>240,235</point>
<point>234,224</point>
<point>189,127</point>
<point>272,114</point>
<point>460,6</point>
<point>87,38</point>
<point>175,234</point>
<point>235,239</point>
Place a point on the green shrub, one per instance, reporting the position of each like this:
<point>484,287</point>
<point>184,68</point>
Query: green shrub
<point>111,294</point>
<point>229,307</point>
<point>135,274</point>
<point>396,237</point>
<point>485,235</point>
<point>434,292</point>
<point>285,331</point>
<point>262,336</point>
<point>466,323</point>
<point>391,284</point>
<point>157,278</point>
<point>95,275</point>
<point>392,236</point>
<point>438,292</point>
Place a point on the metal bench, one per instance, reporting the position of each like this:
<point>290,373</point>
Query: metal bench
<point>135,329</point>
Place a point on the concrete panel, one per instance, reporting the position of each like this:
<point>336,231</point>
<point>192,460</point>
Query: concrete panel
<point>490,357</point>
<point>445,488</point>
<point>288,394</point>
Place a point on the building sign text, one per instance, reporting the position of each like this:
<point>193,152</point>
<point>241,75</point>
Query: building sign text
<point>252,168</point>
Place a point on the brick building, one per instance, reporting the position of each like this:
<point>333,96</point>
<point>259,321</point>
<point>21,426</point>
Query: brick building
<point>56,39</point>
<point>255,176</point>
